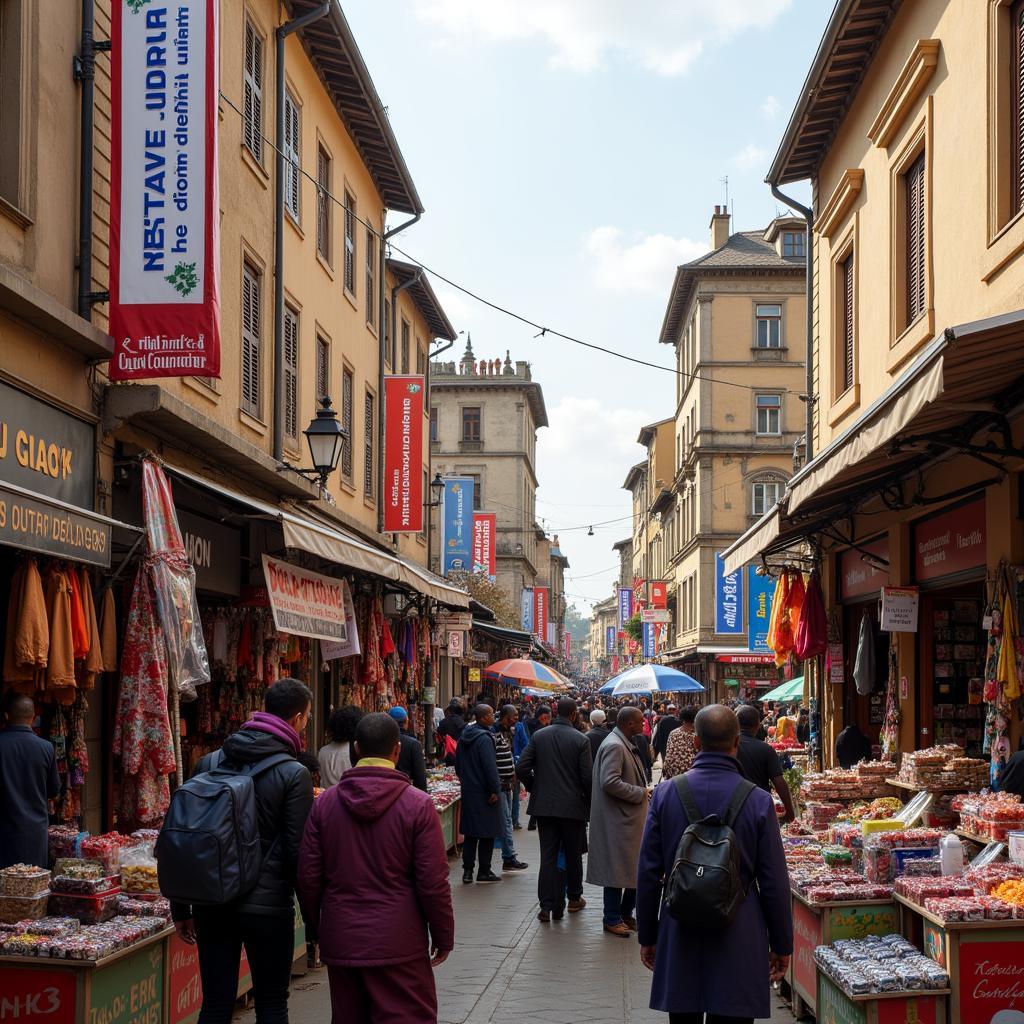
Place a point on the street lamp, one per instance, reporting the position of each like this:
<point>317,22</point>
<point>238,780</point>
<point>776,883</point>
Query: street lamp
<point>326,438</point>
<point>436,487</point>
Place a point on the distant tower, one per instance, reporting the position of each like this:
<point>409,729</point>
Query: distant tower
<point>510,370</point>
<point>468,359</point>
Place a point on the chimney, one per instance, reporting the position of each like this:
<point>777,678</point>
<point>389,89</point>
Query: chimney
<point>719,227</point>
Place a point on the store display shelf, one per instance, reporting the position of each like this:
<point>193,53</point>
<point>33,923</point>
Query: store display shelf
<point>957,926</point>
<point>914,788</point>
<point>45,961</point>
<point>840,903</point>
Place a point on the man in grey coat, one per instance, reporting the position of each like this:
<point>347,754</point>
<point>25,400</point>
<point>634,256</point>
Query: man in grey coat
<point>618,809</point>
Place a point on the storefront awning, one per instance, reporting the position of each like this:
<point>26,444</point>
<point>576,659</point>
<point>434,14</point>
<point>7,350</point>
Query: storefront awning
<point>513,637</point>
<point>305,533</point>
<point>964,383</point>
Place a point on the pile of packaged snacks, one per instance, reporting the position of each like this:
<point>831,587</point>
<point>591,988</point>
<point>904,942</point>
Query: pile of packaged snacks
<point>88,943</point>
<point>847,892</point>
<point>985,879</point>
<point>107,850</point>
<point>138,872</point>
<point>990,815</point>
<point>886,853</point>
<point>23,908</point>
<point>1011,891</point>
<point>879,963</point>
<point>924,867</point>
<point>845,784</point>
<point>837,856</point>
<point>957,909</point>
<point>879,809</point>
<point>819,816</point>
<point>144,908</point>
<point>77,886</point>
<point>24,880</point>
<point>89,909</point>
<point>943,767</point>
<point>52,926</point>
<point>917,890</point>
<point>76,867</point>
<point>64,841</point>
<point>803,876</point>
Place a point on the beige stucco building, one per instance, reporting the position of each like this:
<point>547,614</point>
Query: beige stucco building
<point>602,616</point>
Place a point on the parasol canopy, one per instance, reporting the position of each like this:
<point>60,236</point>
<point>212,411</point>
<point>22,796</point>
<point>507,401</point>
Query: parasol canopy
<point>793,689</point>
<point>651,679</point>
<point>526,672</point>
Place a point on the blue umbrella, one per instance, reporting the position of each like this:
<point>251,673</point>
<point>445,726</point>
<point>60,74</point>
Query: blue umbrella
<point>651,679</point>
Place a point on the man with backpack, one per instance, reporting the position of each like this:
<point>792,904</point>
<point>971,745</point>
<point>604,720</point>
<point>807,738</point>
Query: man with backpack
<point>712,848</point>
<point>228,852</point>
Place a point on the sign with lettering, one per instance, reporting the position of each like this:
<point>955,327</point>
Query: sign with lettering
<point>991,979</point>
<point>655,615</point>
<point>455,620</point>
<point>609,640</point>
<point>861,572</point>
<point>455,644</point>
<point>185,989</point>
<point>457,525</point>
<point>215,551</point>
<point>164,204</point>
<point>27,994</point>
<point>649,640</point>
<point>806,936</point>
<point>130,990</point>
<point>540,612</point>
<point>526,608</point>
<point>485,532</point>
<point>856,922</point>
<point>659,594</point>
<point>403,454</point>
<point>899,609</point>
<point>330,650</point>
<point>35,524</point>
<point>950,542</point>
<point>728,599</point>
<point>760,591</point>
<point>45,450</point>
<point>305,603</point>
<point>625,605</point>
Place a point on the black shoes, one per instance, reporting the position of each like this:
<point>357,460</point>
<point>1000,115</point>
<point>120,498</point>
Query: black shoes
<point>467,877</point>
<point>513,865</point>
<point>489,877</point>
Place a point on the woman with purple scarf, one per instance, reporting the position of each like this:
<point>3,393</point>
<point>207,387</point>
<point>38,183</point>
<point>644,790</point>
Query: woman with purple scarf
<point>262,919</point>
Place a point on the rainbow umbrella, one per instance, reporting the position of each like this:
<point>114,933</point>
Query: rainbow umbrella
<point>526,672</point>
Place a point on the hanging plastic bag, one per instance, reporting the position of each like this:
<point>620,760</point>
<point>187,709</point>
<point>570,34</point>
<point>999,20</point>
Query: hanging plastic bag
<point>812,633</point>
<point>864,669</point>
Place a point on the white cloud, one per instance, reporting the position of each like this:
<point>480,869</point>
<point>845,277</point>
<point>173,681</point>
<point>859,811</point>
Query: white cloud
<point>751,158</point>
<point>770,106</point>
<point>641,263</point>
<point>663,36</point>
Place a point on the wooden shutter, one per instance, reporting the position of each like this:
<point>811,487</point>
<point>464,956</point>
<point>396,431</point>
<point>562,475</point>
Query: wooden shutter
<point>847,314</point>
<point>252,98</point>
<point>291,374</point>
<point>368,429</point>
<point>350,243</point>
<point>291,156</point>
<point>323,201</point>
<point>915,196</point>
<point>251,384</point>
<point>371,277</point>
<point>405,347</point>
<point>346,419</point>
<point>323,368</point>
<point>1017,107</point>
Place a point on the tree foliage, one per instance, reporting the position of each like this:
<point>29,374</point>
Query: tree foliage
<point>479,586</point>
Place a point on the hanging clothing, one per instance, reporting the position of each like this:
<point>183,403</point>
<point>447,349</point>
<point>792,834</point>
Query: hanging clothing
<point>79,629</point>
<point>785,638</point>
<point>775,617</point>
<point>108,631</point>
<point>93,664</point>
<point>28,629</point>
<point>811,635</point>
<point>60,667</point>
<point>864,663</point>
<point>1008,670</point>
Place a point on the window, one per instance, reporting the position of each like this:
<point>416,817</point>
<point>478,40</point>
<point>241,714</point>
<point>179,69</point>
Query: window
<point>471,423</point>
<point>845,322</point>
<point>252,95</point>
<point>433,425</point>
<point>769,326</point>
<point>323,368</point>
<point>12,86</point>
<point>369,427</point>
<point>323,203</point>
<point>291,373</point>
<point>769,414</point>
<point>1017,107</point>
<point>347,398</point>
<point>350,243</point>
<point>371,277</point>
<point>389,341</point>
<point>292,157</point>
<point>252,385</point>
<point>421,358</point>
<point>914,189</point>
<point>793,243</point>
<point>765,496</point>
<point>477,488</point>
<point>405,346</point>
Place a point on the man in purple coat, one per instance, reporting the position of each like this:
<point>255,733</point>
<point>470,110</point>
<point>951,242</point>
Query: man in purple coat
<point>725,974</point>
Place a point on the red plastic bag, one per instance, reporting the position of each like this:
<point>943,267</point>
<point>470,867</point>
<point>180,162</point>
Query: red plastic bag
<point>812,632</point>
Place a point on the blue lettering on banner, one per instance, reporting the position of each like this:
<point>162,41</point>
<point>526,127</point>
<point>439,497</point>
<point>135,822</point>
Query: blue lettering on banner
<point>625,605</point>
<point>760,591</point>
<point>648,635</point>
<point>154,191</point>
<point>609,640</point>
<point>527,609</point>
<point>457,525</point>
<point>728,600</point>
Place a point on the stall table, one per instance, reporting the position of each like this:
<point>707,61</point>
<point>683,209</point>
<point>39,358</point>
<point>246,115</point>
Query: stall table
<point>817,924</point>
<point>838,1007</point>
<point>450,825</point>
<point>984,959</point>
<point>911,787</point>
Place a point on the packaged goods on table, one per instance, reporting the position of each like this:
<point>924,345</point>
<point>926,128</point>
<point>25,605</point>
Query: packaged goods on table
<point>1011,891</point>
<point>879,964</point>
<point>107,850</point>
<point>837,856</point>
<point>955,908</point>
<point>803,876</point>
<point>847,892</point>
<point>72,942</point>
<point>24,880</point>
<point>132,906</point>
<point>847,783</point>
<point>77,867</point>
<point>943,767</point>
<point>49,926</point>
<point>990,815</point>
<point>70,885</point>
<point>926,867</point>
<point>917,890</point>
<point>820,815</point>
<point>984,879</point>
<point>138,872</point>
<point>63,841</point>
<point>886,853</point>
<point>23,908</point>
<point>88,909</point>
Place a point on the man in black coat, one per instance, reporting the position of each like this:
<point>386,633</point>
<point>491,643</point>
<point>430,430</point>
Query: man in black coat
<point>476,764</point>
<point>449,731</point>
<point>556,768</point>
<point>28,782</point>
<point>410,758</point>
<point>666,724</point>
<point>599,732</point>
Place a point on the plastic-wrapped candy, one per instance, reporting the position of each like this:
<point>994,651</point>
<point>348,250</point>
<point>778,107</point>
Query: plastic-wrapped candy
<point>24,880</point>
<point>49,926</point>
<point>23,908</point>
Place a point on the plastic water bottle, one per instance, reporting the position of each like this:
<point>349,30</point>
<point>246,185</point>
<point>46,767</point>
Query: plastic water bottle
<point>951,855</point>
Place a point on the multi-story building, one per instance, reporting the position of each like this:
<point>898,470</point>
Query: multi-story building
<point>484,417</point>
<point>910,131</point>
<point>551,566</point>
<point>736,319</point>
<point>603,615</point>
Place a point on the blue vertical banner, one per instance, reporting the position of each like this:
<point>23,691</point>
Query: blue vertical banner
<point>729,606</point>
<point>648,636</point>
<point>526,608</point>
<point>760,591</point>
<point>625,606</point>
<point>609,640</point>
<point>457,525</point>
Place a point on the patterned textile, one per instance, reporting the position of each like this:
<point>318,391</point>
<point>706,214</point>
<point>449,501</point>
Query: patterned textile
<point>680,752</point>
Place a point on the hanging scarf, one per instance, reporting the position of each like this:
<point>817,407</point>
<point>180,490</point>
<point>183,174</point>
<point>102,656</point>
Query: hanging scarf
<point>811,635</point>
<point>776,616</point>
<point>890,734</point>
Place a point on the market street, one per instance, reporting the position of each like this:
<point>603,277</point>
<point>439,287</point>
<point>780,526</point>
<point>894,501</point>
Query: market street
<point>507,967</point>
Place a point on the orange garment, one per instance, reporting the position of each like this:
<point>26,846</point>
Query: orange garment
<point>79,629</point>
<point>93,664</point>
<point>108,631</point>
<point>784,636</point>
<point>797,593</point>
<point>28,631</point>
<point>60,668</point>
<point>776,616</point>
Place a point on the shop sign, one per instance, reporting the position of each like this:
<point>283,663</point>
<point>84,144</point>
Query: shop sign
<point>45,450</point>
<point>131,990</point>
<point>745,659</point>
<point>474,675</point>
<point>625,605</point>
<point>857,576</point>
<point>185,989</point>
<point>659,594</point>
<point>806,936</point>
<point>649,639</point>
<point>834,1007</point>
<point>455,620</point>
<point>760,591</point>
<point>526,608</point>
<point>655,615</point>
<point>990,979</point>
<point>609,640</point>
<point>485,532</point>
<point>305,603</point>
<point>457,525</point>
<point>164,203</point>
<point>934,943</point>
<point>951,542</point>
<point>836,664</point>
<point>540,612</point>
<point>455,644</point>
<point>403,454</point>
<point>728,599</point>
<point>27,994</point>
<point>899,609</point>
<point>347,648</point>
<point>856,922</point>
<point>215,551</point>
<point>48,528</point>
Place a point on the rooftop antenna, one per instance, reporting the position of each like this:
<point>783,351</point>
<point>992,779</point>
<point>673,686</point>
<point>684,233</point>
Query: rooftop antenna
<point>725,182</point>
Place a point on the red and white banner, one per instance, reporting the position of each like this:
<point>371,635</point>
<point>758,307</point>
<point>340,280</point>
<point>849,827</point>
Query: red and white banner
<point>659,594</point>
<point>305,603</point>
<point>567,640</point>
<point>164,205</point>
<point>403,454</point>
<point>485,530</point>
<point>540,612</point>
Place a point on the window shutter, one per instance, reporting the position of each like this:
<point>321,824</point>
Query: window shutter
<point>251,384</point>
<point>915,239</point>
<point>350,244</point>
<point>346,419</point>
<point>323,210</point>
<point>1017,99</point>
<point>291,374</point>
<point>848,322</point>
<point>252,101</point>
<point>291,154</point>
<point>323,369</point>
<point>371,277</point>
<point>368,425</point>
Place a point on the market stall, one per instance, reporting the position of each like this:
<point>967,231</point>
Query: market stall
<point>446,792</point>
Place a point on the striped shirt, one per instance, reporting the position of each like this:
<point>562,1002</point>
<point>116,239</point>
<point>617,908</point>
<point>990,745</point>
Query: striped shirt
<point>506,764</point>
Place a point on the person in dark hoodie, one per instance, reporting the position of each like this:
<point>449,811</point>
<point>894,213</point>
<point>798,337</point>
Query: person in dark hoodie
<point>373,886</point>
<point>476,764</point>
<point>263,919</point>
<point>449,731</point>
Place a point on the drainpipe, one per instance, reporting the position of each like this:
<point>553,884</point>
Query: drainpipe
<point>808,215</point>
<point>282,33</point>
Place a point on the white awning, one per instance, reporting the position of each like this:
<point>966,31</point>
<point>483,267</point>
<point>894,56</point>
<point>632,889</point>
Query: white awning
<point>752,543</point>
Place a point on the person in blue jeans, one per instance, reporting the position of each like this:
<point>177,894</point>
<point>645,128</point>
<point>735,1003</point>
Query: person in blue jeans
<point>520,741</point>
<point>503,736</point>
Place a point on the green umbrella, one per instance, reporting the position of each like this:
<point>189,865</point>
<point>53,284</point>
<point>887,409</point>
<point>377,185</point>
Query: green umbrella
<point>791,690</point>
<point>732,682</point>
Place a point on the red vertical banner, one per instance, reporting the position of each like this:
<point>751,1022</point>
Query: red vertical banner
<point>568,644</point>
<point>164,204</point>
<point>615,664</point>
<point>485,529</point>
<point>659,594</point>
<point>403,454</point>
<point>540,613</point>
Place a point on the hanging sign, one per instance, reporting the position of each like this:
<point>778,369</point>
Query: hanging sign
<point>457,525</point>
<point>450,619</point>
<point>455,644</point>
<point>305,603</point>
<point>540,612</point>
<point>403,454</point>
<point>899,609</point>
<point>485,529</point>
<point>567,641</point>
<point>332,649</point>
<point>728,599</point>
<point>609,640</point>
<point>836,669</point>
<point>659,594</point>
<point>950,542</point>
<point>655,615</point>
<point>859,574</point>
<point>474,675</point>
<point>760,590</point>
<point>625,605</point>
<point>164,204</point>
<point>648,635</point>
<point>526,608</point>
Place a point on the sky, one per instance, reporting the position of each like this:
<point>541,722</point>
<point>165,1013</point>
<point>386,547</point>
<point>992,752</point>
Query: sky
<point>569,154</point>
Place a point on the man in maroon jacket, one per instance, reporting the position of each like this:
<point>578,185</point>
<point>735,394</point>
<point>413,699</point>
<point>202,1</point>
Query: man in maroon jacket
<point>373,885</point>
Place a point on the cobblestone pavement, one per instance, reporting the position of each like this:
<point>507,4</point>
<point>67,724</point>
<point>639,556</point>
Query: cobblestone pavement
<point>508,967</point>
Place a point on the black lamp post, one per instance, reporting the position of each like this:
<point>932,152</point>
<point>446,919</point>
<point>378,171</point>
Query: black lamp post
<point>436,487</point>
<point>326,438</point>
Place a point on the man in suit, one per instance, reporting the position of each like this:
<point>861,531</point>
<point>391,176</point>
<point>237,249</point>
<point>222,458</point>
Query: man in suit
<point>666,724</point>
<point>410,759</point>
<point>557,768</point>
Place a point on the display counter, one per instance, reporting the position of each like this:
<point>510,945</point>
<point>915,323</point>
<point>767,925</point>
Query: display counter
<point>834,1006</point>
<point>450,824</point>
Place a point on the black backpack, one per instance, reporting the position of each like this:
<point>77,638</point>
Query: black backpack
<point>209,850</point>
<point>704,888</point>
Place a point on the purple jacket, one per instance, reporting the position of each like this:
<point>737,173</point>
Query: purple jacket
<point>373,872</point>
<point>723,972</point>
